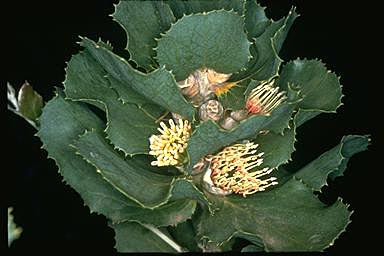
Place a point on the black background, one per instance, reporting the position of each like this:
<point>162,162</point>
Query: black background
<point>40,38</point>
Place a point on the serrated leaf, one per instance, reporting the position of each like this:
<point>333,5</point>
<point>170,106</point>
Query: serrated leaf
<point>62,122</point>
<point>255,19</point>
<point>143,21</point>
<point>182,7</point>
<point>320,88</point>
<point>134,237</point>
<point>208,137</point>
<point>277,148</point>
<point>146,188</point>
<point>129,125</point>
<point>303,116</point>
<point>333,162</point>
<point>287,218</point>
<point>124,175</point>
<point>158,86</point>
<point>192,43</point>
<point>265,61</point>
<point>129,128</point>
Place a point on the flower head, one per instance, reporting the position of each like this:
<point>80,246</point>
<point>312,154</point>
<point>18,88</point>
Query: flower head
<point>264,98</point>
<point>211,109</point>
<point>169,146</point>
<point>231,170</point>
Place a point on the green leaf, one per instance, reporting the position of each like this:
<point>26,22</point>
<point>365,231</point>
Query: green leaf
<point>208,137</point>
<point>143,21</point>
<point>171,213</point>
<point>148,189</point>
<point>287,218</point>
<point>134,237</point>
<point>255,19</point>
<point>320,88</point>
<point>265,61</point>
<point>234,99</point>
<point>277,148</point>
<point>62,121</point>
<point>183,188</point>
<point>192,43</point>
<point>185,235</point>
<point>158,86</point>
<point>30,102</point>
<point>129,125</point>
<point>332,162</point>
<point>182,7</point>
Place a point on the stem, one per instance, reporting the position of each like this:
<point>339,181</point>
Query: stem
<point>165,238</point>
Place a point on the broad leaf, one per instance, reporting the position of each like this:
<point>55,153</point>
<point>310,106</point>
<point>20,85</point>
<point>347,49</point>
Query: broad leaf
<point>129,125</point>
<point>184,7</point>
<point>333,162</point>
<point>158,86</point>
<point>148,189</point>
<point>134,237</point>
<point>62,122</point>
<point>143,21</point>
<point>265,61</point>
<point>287,218</point>
<point>320,88</point>
<point>255,19</point>
<point>277,148</point>
<point>192,43</point>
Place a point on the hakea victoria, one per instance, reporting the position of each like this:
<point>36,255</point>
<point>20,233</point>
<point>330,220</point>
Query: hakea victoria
<point>198,134</point>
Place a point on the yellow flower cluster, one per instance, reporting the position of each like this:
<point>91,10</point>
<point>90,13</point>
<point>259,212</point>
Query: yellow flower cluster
<point>231,170</point>
<point>169,146</point>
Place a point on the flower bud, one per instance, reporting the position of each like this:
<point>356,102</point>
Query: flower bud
<point>212,109</point>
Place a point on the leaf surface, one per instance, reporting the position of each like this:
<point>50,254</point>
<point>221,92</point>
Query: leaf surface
<point>193,43</point>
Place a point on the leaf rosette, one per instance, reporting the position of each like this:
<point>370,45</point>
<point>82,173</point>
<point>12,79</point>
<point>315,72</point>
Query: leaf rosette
<point>214,65</point>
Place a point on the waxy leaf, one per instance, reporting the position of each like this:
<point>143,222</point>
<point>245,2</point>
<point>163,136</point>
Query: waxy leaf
<point>158,86</point>
<point>129,125</point>
<point>185,7</point>
<point>319,87</point>
<point>145,188</point>
<point>333,162</point>
<point>265,61</point>
<point>62,122</point>
<point>192,43</point>
<point>286,218</point>
<point>143,21</point>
